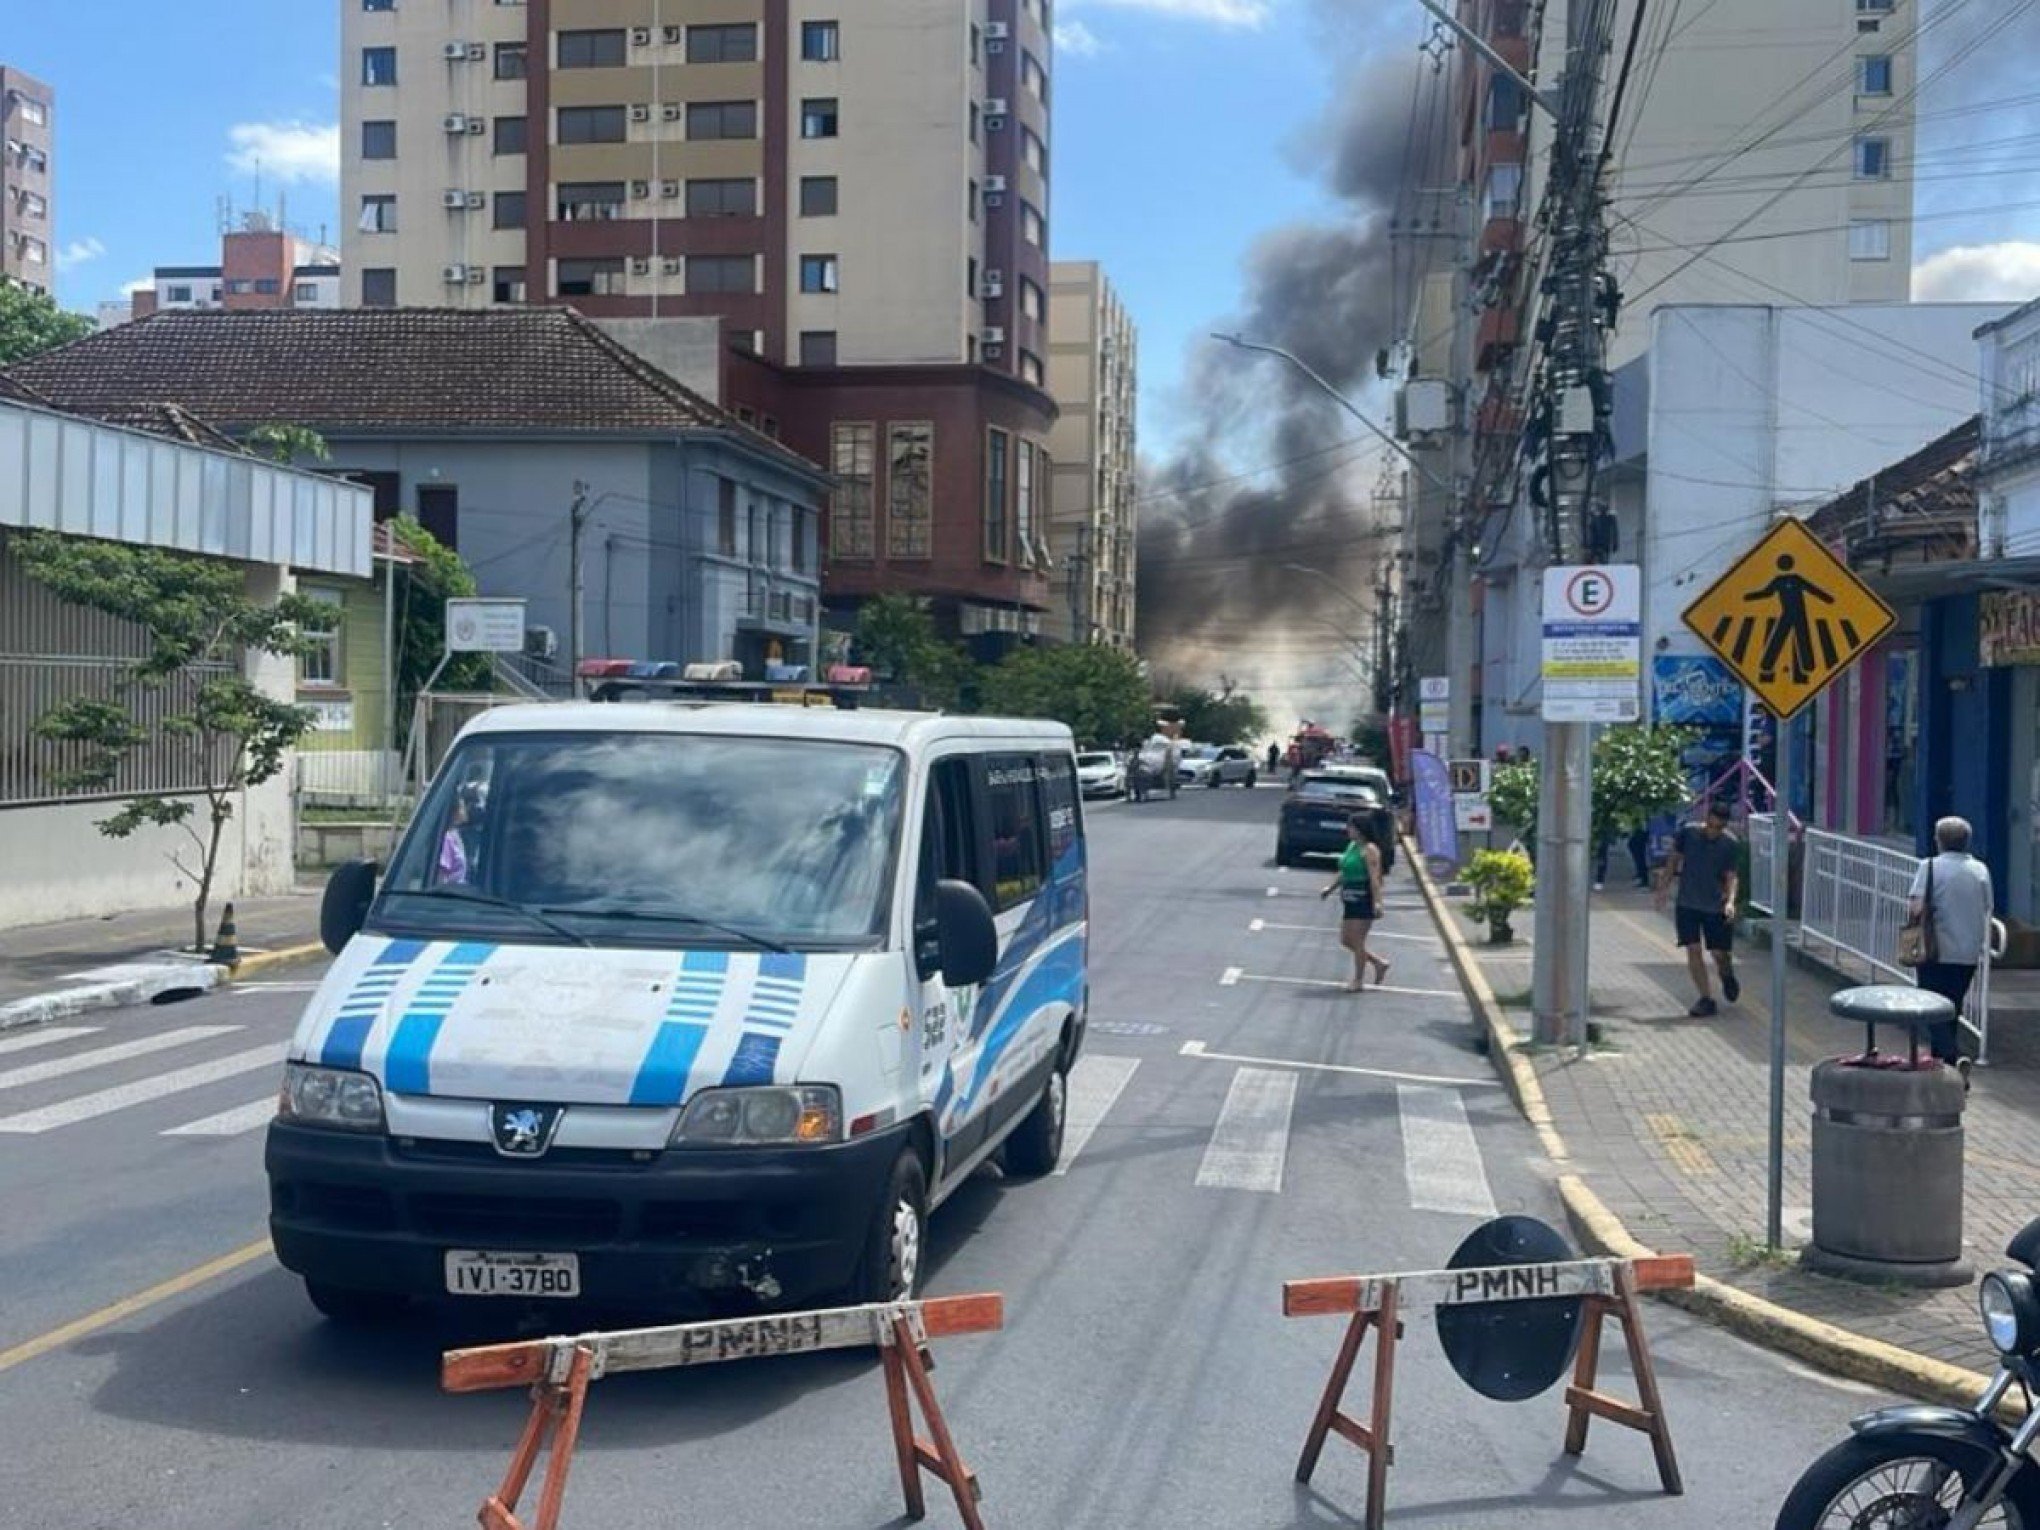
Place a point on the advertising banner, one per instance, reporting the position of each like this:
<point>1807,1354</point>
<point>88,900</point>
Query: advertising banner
<point>1437,825</point>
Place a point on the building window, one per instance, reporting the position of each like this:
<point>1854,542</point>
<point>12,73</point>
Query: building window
<point>1873,75</point>
<point>378,66</point>
<point>819,42</point>
<point>818,273</point>
<point>379,287</point>
<point>378,5</point>
<point>268,286</point>
<point>304,292</point>
<point>591,124</point>
<point>510,209</point>
<point>177,294</point>
<point>976,44</point>
<point>320,664</point>
<point>1873,159</point>
<point>721,273</point>
<point>1033,78</point>
<point>970,280</point>
<point>589,201</point>
<point>378,215</point>
<point>509,284</point>
<point>1032,229</point>
<point>1874,7</point>
<point>1033,152</point>
<point>378,140</point>
<point>724,44</point>
<point>593,49</point>
<point>909,488</point>
<point>818,347</point>
<point>512,62</point>
<point>1023,505</point>
<point>796,525</point>
<point>1505,103</point>
<point>1870,239</point>
<point>1030,368</point>
<point>598,277</point>
<point>818,117</point>
<point>722,119</point>
<point>1032,303</point>
<point>817,196</point>
<point>1504,187</point>
<point>997,443</point>
<point>723,198</point>
<point>509,135</point>
<point>974,122</point>
<point>726,517</point>
<point>850,529</point>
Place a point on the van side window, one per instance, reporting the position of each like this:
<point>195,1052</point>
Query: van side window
<point>1059,791</point>
<point>1019,843</point>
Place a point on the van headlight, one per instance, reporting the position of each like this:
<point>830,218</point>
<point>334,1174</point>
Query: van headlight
<point>791,1116</point>
<point>2011,1311</point>
<point>337,1097</point>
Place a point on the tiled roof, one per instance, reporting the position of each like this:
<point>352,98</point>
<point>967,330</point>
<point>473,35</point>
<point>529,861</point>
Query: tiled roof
<point>369,369</point>
<point>1921,508</point>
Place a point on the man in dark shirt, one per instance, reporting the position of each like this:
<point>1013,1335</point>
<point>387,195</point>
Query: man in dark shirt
<point>1702,867</point>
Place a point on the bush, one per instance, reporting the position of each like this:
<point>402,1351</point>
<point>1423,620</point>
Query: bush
<point>1501,883</point>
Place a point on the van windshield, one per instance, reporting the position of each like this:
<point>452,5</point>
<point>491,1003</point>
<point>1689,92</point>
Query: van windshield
<point>652,839</point>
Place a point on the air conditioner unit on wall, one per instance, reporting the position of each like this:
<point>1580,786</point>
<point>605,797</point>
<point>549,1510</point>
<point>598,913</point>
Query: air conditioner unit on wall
<point>640,265</point>
<point>477,126</point>
<point>453,199</point>
<point>995,124</point>
<point>669,188</point>
<point>995,106</point>
<point>477,275</point>
<point>455,52</point>
<point>995,199</point>
<point>453,275</point>
<point>998,30</point>
<point>641,113</point>
<point>992,334</point>
<point>995,46</point>
<point>670,111</point>
<point>478,199</point>
<point>640,37</point>
<point>994,289</point>
<point>639,190</point>
<point>994,352</point>
<point>995,183</point>
<point>454,122</point>
<point>477,52</point>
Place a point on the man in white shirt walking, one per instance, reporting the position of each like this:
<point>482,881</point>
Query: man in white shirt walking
<point>1961,921</point>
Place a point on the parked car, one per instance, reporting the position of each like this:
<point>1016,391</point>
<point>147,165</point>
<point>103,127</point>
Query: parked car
<point>1101,775</point>
<point>1373,777</point>
<point>1314,814</point>
<point>1194,764</point>
<point>1210,765</point>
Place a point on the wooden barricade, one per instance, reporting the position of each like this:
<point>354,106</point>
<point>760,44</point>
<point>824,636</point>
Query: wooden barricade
<point>559,1370</point>
<point>1379,1304</point>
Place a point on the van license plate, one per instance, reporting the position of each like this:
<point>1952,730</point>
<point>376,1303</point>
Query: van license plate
<point>472,1272</point>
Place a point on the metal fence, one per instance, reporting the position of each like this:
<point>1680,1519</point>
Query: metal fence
<point>1854,895</point>
<point>349,777</point>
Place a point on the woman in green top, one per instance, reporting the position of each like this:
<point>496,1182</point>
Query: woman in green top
<point>1358,885</point>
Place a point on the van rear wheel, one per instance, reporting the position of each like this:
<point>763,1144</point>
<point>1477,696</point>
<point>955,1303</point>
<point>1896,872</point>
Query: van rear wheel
<point>1036,1143</point>
<point>895,1249</point>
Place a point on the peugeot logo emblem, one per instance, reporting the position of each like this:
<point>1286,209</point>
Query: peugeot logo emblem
<point>524,1131</point>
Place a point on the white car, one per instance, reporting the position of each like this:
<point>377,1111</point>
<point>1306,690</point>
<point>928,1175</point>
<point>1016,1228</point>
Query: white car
<point>1101,775</point>
<point>1209,765</point>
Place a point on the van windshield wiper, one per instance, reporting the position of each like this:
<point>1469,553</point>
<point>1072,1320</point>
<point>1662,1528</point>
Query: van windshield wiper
<point>630,911</point>
<point>457,893</point>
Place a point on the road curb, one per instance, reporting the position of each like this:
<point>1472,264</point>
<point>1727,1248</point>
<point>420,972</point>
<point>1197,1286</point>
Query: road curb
<point>123,993</point>
<point>1888,1367</point>
<point>264,961</point>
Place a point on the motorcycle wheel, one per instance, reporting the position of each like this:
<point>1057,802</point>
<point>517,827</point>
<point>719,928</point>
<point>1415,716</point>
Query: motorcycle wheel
<point>1901,1482</point>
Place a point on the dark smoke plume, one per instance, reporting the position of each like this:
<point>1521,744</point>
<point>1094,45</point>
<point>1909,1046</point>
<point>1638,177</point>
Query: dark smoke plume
<point>1215,598</point>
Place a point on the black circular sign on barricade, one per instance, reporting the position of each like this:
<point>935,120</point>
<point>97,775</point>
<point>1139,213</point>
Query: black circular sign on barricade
<point>1511,1350</point>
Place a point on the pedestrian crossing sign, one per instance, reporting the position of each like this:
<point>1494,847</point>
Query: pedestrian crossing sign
<point>1788,617</point>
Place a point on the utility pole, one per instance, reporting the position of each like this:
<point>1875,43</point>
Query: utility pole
<point>577,518</point>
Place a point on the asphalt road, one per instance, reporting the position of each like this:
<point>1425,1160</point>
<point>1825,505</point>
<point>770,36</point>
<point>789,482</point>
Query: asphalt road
<point>1145,1377</point>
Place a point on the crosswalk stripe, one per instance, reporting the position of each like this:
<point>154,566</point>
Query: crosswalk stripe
<point>1096,1083</point>
<point>105,1101</point>
<point>141,1046</point>
<point>1441,1158</point>
<point>43,1035</point>
<point>1250,1143</point>
<point>230,1123</point>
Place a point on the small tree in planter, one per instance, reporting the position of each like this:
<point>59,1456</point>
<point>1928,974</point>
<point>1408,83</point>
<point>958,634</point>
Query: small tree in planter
<point>1512,798</point>
<point>1500,880</point>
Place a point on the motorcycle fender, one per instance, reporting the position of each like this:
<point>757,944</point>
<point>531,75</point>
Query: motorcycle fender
<point>1958,1424</point>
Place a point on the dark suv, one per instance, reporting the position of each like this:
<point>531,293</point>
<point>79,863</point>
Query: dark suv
<point>1314,815</point>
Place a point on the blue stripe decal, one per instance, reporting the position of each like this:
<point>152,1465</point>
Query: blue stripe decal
<point>1057,981</point>
<point>756,1054</point>
<point>357,1013</point>
<point>662,1077</point>
<point>407,1067</point>
<point>775,996</point>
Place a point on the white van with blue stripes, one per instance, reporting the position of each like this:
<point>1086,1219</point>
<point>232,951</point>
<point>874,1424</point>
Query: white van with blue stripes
<point>681,1008</point>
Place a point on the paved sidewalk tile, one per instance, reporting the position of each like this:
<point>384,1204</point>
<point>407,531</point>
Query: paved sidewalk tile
<point>1668,1122</point>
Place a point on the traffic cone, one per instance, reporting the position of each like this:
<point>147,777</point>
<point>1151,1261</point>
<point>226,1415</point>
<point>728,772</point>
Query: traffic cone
<point>226,952</point>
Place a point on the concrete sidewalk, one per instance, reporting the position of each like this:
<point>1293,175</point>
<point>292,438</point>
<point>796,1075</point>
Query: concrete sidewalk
<point>1666,1121</point>
<point>49,970</point>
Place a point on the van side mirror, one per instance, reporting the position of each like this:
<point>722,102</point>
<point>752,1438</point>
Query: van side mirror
<point>969,940</point>
<point>344,909</point>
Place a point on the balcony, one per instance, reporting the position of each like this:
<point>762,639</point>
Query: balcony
<point>1500,329</point>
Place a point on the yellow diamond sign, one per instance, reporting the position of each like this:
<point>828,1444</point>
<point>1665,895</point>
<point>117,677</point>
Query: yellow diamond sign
<point>1788,618</point>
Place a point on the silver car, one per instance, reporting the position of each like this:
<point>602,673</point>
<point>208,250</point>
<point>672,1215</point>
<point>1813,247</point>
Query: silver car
<point>1101,775</point>
<point>1211,765</point>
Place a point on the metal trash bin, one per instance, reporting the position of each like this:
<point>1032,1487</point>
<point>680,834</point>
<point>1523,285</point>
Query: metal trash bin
<point>1887,1151</point>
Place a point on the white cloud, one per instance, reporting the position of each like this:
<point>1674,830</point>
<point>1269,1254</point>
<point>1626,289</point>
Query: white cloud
<point>78,251</point>
<point>139,284</point>
<point>2005,272</point>
<point>1226,13</point>
<point>285,151</point>
<point>1078,40</point>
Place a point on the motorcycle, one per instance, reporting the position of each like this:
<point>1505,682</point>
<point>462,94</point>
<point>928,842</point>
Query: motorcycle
<point>1922,1467</point>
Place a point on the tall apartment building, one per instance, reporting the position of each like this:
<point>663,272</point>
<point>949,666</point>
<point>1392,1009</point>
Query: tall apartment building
<point>1092,373</point>
<point>261,266</point>
<point>28,219</point>
<point>856,189</point>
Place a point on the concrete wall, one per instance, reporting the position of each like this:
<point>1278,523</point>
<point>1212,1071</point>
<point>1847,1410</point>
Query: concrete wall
<point>687,350</point>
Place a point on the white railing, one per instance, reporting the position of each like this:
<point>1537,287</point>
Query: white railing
<point>1854,895</point>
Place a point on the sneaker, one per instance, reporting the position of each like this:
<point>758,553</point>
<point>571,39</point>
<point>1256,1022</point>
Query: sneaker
<point>1962,1067</point>
<point>1702,1008</point>
<point>1731,986</point>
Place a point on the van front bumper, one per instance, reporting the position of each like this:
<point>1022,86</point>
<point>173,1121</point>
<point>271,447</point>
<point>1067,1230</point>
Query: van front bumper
<point>683,1230</point>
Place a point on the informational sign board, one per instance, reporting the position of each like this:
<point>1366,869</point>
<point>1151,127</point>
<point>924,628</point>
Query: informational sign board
<point>1472,814</point>
<point>1434,705</point>
<point>1437,827</point>
<point>1593,643</point>
<point>485,626</point>
<point>1788,617</point>
<point>2008,627</point>
<point>1695,690</point>
<point>1469,778</point>
<point>331,716</point>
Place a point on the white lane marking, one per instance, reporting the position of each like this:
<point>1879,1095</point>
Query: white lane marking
<point>141,1046</point>
<point>1250,1142</point>
<point>1274,892</point>
<point>1329,927</point>
<point>1198,1049</point>
<point>1441,1159</point>
<point>105,1101</point>
<point>229,1123</point>
<point>1304,982</point>
<point>1229,977</point>
<point>248,988</point>
<point>42,1036</point>
<point>1256,926</point>
<point>1096,1083</point>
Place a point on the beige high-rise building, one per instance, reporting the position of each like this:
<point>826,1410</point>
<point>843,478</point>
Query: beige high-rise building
<point>1092,374</point>
<point>28,219</point>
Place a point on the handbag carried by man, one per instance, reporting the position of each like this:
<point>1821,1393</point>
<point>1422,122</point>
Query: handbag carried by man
<point>1916,943</point>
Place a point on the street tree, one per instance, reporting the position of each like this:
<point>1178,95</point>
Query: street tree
<point>31,323</point>
<point>896,637</point>
<point>1637,774</point>
<point>286,444</point>
<point>1224,716</point>
<point>1097,690</point>
<point>216,727</point>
